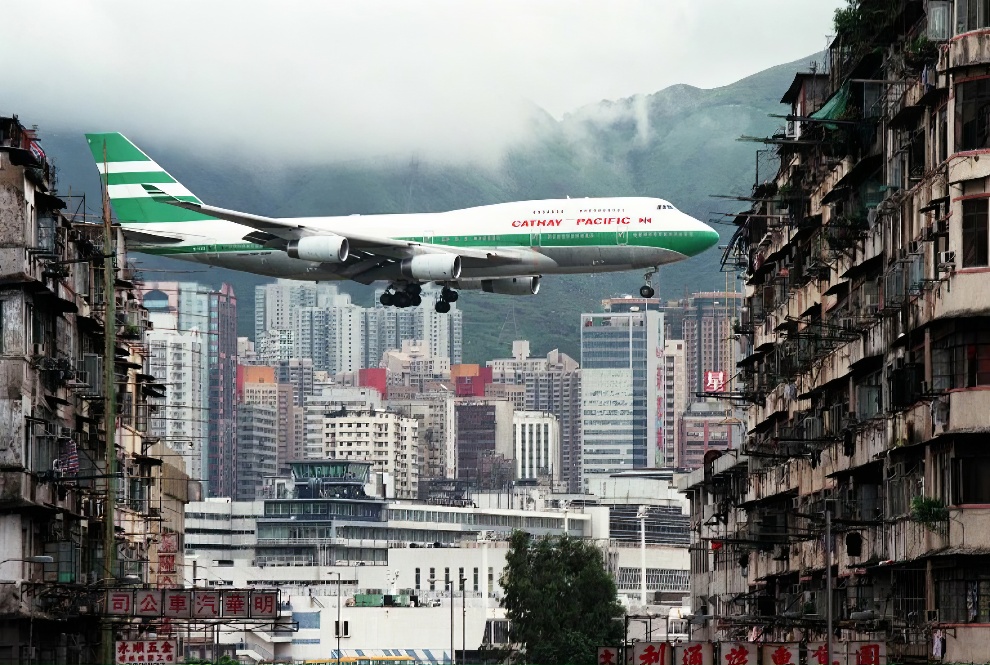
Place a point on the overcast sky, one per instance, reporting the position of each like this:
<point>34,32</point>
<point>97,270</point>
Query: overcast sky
<point>367,77</point>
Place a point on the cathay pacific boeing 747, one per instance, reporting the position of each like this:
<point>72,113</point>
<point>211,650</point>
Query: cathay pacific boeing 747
<point>501,248</point>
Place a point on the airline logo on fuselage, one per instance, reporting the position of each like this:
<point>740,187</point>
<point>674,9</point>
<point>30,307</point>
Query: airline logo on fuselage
<point>537,222</point>
<point>581,221</point>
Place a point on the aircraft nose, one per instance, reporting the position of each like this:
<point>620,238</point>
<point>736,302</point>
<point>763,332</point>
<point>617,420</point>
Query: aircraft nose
<point>704,236</point>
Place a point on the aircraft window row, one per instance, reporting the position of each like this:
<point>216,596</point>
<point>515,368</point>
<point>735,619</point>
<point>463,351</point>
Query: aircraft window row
<point>603,210</point>
<point>665,206</point>
<point>548,212</point>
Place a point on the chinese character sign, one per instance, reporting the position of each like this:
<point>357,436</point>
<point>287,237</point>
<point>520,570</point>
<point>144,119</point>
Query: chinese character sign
<point>148,603</point>
<point>120,602</point>
<point>146,651</point>
<point>739,653</point>
<point>176,603</point>
<point>652,653</point>
<point>169,544</point>
<point>608,656</point>
<point>235,604</point>
<point>781,654</point>
<point>264,604</point>
<point>868,653</point>
<point>694,653</point>
<point>206,605</point>
<point>166,563</point>
<point>715,381</point>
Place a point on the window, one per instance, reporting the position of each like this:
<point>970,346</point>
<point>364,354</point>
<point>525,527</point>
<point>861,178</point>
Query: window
<point>939,20</point>
<point>973,114</point>
<point>970,476</point>
<point>974,233</point>
<point>972,15</point>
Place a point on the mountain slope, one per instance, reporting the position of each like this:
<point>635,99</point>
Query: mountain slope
<point>680,144</point>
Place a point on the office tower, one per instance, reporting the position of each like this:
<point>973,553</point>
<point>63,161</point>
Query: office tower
<point>256,438</point>
<point>388,440</point>
<point>535,438</point>
<point>621,389</point>
<point>222,345</point>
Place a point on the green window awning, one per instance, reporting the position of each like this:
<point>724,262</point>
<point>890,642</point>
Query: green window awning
<point>835,107</point>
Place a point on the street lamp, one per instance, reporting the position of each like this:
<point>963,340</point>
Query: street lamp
<point>463,621</point>
<point>339,625</point>
<point>44,558</point>
<point>449,585</point>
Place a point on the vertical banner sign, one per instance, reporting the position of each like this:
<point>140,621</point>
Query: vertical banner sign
<point>652,653</point>
<point>739,653</point>
<point>694,653</point>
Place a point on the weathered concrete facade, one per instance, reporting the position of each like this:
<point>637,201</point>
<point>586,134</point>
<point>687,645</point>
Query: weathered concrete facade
<point>53,475</point>
<point>866,359</point>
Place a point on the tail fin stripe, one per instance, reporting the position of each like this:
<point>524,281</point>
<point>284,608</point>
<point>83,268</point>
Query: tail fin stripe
<point>136,191</point>
<point>145,210</point>
<point>128,167</point>
<point>137,178</point>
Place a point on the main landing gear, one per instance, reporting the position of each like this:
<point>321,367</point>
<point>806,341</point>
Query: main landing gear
<point>407,296</point>
<point>646,290</point>
<point>447,296</point>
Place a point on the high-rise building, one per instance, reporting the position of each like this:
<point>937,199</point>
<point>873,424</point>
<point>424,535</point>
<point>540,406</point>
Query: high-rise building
<point>435,413</point>
<point>535,438</point>
<point>704,427</point>
<point>388,327</point>
<point>222,355</point>
<point>675,400</point>
<point>621,391</point>
<point>552,384</point>
<point>180,417</point>
<point>257,446</point>
<point>414,365</point>
<point>387,440</point>
<point>298,373</point>
<point>484,442</point>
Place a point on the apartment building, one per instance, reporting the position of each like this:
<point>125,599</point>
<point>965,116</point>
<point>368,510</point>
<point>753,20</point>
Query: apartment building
<point>62,498</point>
<point>862,480</point>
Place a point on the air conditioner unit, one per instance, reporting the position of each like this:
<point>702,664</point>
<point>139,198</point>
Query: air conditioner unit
<point>946,261</point>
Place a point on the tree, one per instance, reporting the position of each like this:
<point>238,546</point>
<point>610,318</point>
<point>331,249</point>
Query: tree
<point>560,600</point>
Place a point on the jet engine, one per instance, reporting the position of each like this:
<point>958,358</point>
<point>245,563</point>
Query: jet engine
<point>323,249</point>
<point>510,286</point>
<point>427,267</point>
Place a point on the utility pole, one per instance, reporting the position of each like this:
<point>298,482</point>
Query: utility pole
<point>463,622</point>
<point>110,407</point>
<point>642,553</point>
<point>828,584</point>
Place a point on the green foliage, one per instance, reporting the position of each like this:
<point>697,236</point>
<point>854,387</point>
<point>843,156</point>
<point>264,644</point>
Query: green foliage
<point>929,511</point>
<point>560,600</point>
<point>848,20</point>
<point>921,51</point>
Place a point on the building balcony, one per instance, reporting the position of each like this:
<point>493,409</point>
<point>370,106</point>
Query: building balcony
<point>970,49</point>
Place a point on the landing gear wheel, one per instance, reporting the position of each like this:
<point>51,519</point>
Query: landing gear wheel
<point>442,306</point>
<point>401,299</point>
<point>448,294</point>
<point>416,300</point>
<point>646,291</point>
<point>386,299</point>
<point>414,289</point>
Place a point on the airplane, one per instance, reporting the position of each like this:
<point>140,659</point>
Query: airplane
<point>502,248</point>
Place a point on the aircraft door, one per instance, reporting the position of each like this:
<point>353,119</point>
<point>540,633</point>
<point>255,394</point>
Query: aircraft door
<point>428,237</point>
<point>621,237</point>
<point>534,239</point>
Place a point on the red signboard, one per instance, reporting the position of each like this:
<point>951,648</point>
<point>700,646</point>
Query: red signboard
<point>608,656</point>
<point>120,602</point>
<point>148,603</point>
<point>715,381</point>
<point>177,604</point>
<point>264,604</point>
<point>652,653</point>
<point>739,653</point>
<point>694,653</point>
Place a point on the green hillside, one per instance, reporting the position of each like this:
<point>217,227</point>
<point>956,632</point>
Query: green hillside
<point>680,144</point>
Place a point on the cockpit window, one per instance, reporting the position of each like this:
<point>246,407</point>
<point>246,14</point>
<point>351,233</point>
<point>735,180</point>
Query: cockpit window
<point>665,206</point>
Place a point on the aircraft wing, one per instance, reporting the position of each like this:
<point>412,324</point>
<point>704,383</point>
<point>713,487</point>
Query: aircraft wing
<point>275,233</point>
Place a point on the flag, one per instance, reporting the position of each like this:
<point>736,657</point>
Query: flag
<point>68,460</point>
<point>35,148</point>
